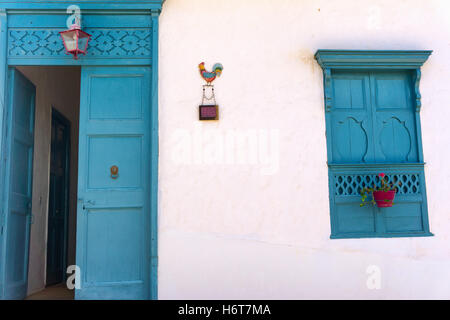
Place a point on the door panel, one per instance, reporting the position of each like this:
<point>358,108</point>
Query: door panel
<point>394,117</point>
<point>127,154</point>
<point>113,226</point>
<point>351,124</point>
<point>19,175</point>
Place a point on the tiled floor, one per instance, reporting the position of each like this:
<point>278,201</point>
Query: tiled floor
<point>56,292</point>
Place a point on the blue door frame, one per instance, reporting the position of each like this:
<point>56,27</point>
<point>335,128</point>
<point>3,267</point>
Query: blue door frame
<point>123,34</point>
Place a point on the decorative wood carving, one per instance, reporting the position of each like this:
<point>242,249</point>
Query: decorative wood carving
<point>327,89</point>
<point>351,184</point>
<point>117,43</point>
<point>353,139</point>
<point>394,129</point>
<point>417,91</point>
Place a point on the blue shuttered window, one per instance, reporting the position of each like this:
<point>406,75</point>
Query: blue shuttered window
<point>373,126</point>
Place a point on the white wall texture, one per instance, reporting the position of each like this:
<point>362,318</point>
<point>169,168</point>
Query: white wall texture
<point>253,222</point>
<point>60,88</point>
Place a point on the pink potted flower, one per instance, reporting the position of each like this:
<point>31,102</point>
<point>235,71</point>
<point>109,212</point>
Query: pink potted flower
<point>382,196</point>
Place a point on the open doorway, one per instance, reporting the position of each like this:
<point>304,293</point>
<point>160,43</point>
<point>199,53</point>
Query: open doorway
<point>54,183</point>
<point>109,187</point>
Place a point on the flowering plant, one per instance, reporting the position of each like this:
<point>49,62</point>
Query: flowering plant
<point>387,190</point>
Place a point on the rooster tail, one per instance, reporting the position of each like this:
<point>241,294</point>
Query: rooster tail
<point>217,68</point>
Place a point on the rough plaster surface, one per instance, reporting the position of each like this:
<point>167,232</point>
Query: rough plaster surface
<point>60,88</point>
<point>230,229</point>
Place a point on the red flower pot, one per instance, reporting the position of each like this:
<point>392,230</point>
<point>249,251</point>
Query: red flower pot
<point>384,198</point>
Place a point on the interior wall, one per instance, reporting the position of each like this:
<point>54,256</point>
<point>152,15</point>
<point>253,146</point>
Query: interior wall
<point>58,87</point>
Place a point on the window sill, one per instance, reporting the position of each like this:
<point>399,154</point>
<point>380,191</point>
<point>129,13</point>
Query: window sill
<point>381,235</point>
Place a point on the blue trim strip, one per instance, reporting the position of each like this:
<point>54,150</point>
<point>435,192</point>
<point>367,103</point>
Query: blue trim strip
<point>3,88</point>
<point>154,164</point>
<point>80,62</point>
<point>83,4</point>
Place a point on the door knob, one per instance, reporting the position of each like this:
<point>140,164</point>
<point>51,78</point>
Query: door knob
<point>114,172</point>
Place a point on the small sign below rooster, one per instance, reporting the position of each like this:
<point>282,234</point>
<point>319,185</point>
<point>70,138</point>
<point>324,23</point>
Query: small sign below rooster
<point>209,110</point>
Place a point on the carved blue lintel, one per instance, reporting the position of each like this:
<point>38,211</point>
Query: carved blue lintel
<point>374,59</point>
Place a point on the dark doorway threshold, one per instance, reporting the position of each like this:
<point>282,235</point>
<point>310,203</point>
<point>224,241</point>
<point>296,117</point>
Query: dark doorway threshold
<point>56,292</point>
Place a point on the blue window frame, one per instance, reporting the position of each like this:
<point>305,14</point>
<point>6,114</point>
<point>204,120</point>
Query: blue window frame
<point>372,108</point>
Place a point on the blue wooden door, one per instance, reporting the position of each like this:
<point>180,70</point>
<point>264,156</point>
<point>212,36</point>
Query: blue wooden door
<point>18,187</point>
<point>113,226</point>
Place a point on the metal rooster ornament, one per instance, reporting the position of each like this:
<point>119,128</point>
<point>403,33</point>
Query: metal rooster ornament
<point>209,111</point>
<point>210,76</point>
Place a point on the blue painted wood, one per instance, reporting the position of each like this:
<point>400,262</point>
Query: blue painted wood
<point>18,186</point>
<point>418,104</point>
<point>154,153</point>
<point>3,66</point>
<point>394,116</point>
<point>407,218</point>
<point>114,215</point>
<point>95,19</point>
<point>351,131</point>
<point>373,126</point>
<point>83,4</point>
<point>118,43</point>
<point>373,117</point>
<point>118,37</point>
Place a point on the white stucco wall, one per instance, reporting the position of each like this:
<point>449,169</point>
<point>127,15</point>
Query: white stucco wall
<point>232,226</point>
<point>58,87</point>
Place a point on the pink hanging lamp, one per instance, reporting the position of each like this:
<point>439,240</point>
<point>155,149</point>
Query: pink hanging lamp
<point>75,40</point>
